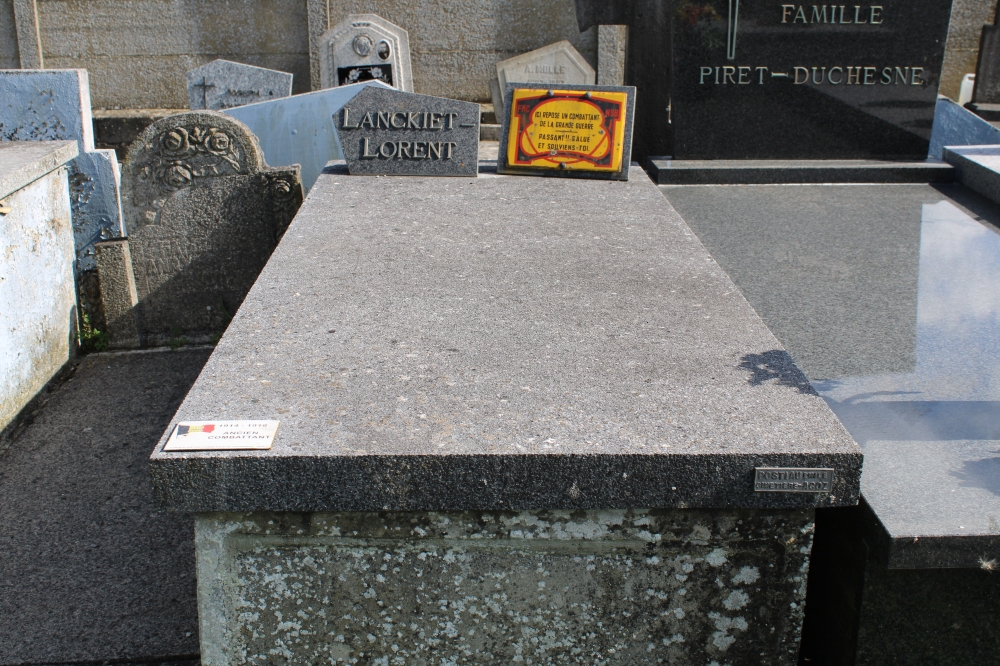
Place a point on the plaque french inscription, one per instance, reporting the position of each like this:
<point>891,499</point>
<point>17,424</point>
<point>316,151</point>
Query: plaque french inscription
<point>572,130</point>
<point>388,132</point>
<point>793,479</point>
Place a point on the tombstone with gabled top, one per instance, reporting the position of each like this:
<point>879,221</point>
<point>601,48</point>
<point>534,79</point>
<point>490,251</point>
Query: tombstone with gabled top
<point>554,64</point>
<point>365,47</point>
<point>204,213</point>
<point>223,84</point>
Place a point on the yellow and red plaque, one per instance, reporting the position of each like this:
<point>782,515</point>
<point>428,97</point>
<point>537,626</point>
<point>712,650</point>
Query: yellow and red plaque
<point>581,130</point>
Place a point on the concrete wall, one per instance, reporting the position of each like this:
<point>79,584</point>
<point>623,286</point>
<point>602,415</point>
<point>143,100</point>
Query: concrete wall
<point>137,51</point>
<point>455,44</point>
<point>962,48</point>
<point>9,58</point>
<point>37,292</point>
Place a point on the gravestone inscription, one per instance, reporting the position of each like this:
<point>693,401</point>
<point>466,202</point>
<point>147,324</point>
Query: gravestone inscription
<point>365,47</point>
<point>388,132</point>
<point>223,84</point>
<point>555,64</point>
<point>788,80</point>
<point>204,212</point>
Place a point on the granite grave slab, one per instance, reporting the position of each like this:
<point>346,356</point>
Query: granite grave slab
<point>488,383</point>
<point>387,132</point>
<point>436,339</point>
<point>799,81</point>
<point>554,64</point>
<point>204,213</point>
<point>52,105</point>
<point>365,47</point>
<point>300,129</point>
<point>223,84</point>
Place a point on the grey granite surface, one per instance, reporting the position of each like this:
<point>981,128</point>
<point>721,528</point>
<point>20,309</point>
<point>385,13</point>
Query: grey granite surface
<point>500,342</point>
<point>978,168</point>
<point>23,162</point>
<point>886,297</point>
<point>91,572</point>
<point>384,131</point>
<point>665,171</point>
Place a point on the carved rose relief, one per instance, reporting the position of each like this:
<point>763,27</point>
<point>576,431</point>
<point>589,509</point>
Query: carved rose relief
<point>178,157</point>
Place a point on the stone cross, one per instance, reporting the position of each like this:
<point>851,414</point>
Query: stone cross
<point>204,86</point>
<point>204,213</point>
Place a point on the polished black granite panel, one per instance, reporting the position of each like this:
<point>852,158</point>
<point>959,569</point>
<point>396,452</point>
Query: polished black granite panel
<point>769,80</point>
<point>886,296</point>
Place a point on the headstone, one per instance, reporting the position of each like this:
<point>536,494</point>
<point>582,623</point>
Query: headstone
<point>204,212</point>
<point>800,81</point>
<point>54,104</point>
<point>365,47</point>
<point>384,131</point>
<point>569,131</point>
<point>223,84</point>
<point>987,90</point>
<point>300,129</point>
<point>554,64</point>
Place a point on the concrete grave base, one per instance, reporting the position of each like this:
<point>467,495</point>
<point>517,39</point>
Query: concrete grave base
<point>680,586</point>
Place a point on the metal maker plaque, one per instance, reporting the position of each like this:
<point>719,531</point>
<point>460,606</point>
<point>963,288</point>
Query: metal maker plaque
<point>793,479</point>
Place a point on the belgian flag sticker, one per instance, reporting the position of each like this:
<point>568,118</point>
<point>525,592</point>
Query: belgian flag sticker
<point>185,429</point>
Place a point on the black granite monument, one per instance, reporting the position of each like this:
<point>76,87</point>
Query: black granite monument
<point>732,79</point>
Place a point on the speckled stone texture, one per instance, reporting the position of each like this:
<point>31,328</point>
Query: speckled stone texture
<point>500,343</point>
<point>541,587</point>
<point>387,132</point>
<point>204,212</point>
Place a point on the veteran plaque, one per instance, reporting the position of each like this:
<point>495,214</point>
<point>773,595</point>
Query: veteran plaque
<point>574,131</point>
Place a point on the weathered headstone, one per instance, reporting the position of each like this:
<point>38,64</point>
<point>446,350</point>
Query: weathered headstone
<point>204,212</point>
<point>54,104</point>
<point>799,81</point>
<point>384,131</point>
<point>365,47</point>
<point>223,84</point>
<point>554,64</point>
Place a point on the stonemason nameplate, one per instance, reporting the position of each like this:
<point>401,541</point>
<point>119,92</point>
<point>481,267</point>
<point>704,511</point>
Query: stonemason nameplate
<point>578,131</point>
<point>222,435</point>
<point>782,80</point>
<point>387,132</point>
<point>792,480</point>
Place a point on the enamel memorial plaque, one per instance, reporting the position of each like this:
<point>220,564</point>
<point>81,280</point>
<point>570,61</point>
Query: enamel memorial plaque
<point>385,132</point>
<point>222,435</point>
<point>573,131</point>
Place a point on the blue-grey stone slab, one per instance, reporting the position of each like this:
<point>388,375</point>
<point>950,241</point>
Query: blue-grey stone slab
<point>300,129</point>
<point>388,132</point>
<point>223,84</point>
<point>957,126</point>
<point>500,343</point>
<point>51,105</point>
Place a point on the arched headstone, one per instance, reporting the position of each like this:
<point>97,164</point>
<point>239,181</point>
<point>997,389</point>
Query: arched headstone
<point>204,212</point>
